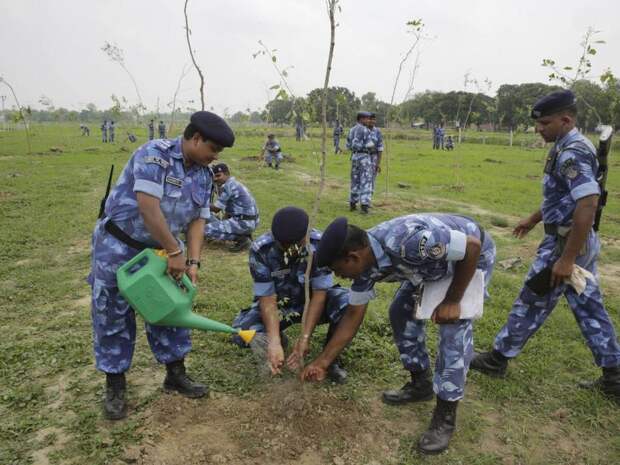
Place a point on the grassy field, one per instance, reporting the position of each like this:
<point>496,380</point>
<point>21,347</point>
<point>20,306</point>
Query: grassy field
<point>50,392</point>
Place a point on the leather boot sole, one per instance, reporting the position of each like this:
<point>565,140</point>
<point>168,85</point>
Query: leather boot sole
<point>190,395</point>
<point>387,400</point>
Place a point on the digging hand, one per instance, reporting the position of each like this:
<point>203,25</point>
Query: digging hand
<point>562,269</point>
<point>296,359</point>
<point>275,356</point>
<point>316,371</point>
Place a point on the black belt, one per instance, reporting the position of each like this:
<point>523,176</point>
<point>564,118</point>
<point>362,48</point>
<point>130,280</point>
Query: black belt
<point>556,230</point>
<point>122,236</point>
<point>245,217</point>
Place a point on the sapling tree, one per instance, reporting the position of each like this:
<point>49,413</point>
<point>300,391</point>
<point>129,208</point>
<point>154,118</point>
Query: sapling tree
<point>188,32</point>
<point>22,112</point>
<point>117,55</point>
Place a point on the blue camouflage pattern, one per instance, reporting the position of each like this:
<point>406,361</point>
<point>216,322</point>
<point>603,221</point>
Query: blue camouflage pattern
<point>571,177</point>
<point>111,131</point>
<point>377,138</point>
<point>272,276</point>
<point>104,132</point>
<point>235,200</point>
<point>157,169</point>
<point>162,130</point>
<point>273,152</point>
<point>360,142</point>
<point>151,129</point>
<point>337,134</point>
<point>413,249</point>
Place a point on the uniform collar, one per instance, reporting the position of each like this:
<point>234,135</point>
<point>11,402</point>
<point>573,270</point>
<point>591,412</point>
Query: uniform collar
<point>383,260</point>
<point>568,137</point>
<point>230,180</point>
<point>176,148</point>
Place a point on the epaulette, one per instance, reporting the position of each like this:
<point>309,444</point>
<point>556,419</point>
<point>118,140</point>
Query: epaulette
<point>315,235</point>
<point>262,241</point>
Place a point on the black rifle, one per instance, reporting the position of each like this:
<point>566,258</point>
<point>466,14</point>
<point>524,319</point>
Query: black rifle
<point>107,192</point>
<point>604,144</point>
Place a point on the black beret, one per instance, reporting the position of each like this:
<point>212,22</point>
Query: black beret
<point>213,127</point>
<point>553,103</point>
<point>372,114</point>
<point>289,225</point>
<point>220,168</point>
<point>332,241</point>
<point>363,114</point>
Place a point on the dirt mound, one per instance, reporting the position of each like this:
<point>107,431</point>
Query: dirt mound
<point>288,423</point>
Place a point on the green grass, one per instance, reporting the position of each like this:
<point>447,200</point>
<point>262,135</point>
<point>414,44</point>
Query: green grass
<point>50,391</point>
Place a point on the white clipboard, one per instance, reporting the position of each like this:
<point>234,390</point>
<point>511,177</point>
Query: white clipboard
<point>433,293</point>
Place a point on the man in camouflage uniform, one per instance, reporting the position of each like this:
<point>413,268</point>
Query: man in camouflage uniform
<point>570,199</point>
<point>360,142</point>
<point>272,150</point>
<point>112,131</point>
<point>278,262</point>
<point>338,132</point>
<point>162,130</point>
<point>162,192</point>
<point>238,206</point>
<point>377,151</point>
<point>412,250</point>
<point>104,131</point>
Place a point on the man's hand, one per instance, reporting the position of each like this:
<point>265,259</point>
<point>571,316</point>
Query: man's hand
<point>446,312</point>
<point>561,270</point>
<point>296,359</point>
<point>192,272</point>
<point>316,371</point>
<point>378,169</point>
<point>275,356</point>
<point>523,227</point>
<point>176,266</point>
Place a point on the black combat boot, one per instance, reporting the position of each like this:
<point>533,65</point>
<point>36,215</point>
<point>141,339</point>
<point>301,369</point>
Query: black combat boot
<point>419,389</point>
<point>114,405</point>
<point>335,372</point>
<point>608,384</point>
<point>490,363</point>
<point>437,437</point>
<point>364,209</point>
<point>270,165</point>
<point>177,380</point>
<point>240,244</point>
<point>352,206</point>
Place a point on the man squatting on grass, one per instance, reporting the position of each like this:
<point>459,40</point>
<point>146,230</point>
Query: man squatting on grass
<point>278,263</point>
<point>570,200</point>
<point>412,250</point>
<point>239,208</point>
<point>163,192</point>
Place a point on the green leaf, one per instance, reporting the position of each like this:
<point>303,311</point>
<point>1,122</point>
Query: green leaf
<point>274,87</point>
<point>273,58</point>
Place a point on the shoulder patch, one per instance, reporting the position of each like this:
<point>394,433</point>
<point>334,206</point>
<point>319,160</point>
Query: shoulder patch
<point>262,241</point>
<point>157,161</point>
<point>316,235</point>
<point>569,169</point>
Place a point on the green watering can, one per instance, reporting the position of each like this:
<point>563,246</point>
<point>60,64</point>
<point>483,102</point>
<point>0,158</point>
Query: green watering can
<point>145,284</point>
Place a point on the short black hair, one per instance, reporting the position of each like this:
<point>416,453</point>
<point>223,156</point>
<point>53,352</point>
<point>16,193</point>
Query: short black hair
<point>356,239</point>
<point>571,110</point>
<point>190,130</point>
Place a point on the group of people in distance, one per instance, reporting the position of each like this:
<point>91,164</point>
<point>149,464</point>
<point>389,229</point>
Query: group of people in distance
<point>163,192</point>
<point>440,141</point>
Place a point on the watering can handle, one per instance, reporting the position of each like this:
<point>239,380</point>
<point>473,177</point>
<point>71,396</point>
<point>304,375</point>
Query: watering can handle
<point>187,283</point>
<point>138,258</point>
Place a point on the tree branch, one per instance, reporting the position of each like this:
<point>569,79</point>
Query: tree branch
<point>191,54</point>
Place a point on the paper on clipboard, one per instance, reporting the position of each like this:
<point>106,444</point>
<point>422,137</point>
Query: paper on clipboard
<point>434,292</point>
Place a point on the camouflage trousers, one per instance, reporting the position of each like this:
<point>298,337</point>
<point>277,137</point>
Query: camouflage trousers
<point>362,174</point>
<point>230,229</point>
<point>456,341</point>
<point>335,306</point>
<point>337,144</point>
<point>375,160</point>
<point>269,157</point>
<point>114,330</point>
<point>530,310</point>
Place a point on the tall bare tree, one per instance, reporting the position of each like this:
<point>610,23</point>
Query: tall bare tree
<point>20,109</point>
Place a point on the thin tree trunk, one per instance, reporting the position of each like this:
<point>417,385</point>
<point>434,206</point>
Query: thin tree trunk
<point>191,54</point>
<point>21,113</point>
<point>331,4</point>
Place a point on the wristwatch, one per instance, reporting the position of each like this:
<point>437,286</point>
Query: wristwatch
<point>192,261</point>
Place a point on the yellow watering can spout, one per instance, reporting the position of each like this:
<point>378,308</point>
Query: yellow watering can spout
<point>247,335</point>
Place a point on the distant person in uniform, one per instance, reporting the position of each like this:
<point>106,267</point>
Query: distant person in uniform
<point>360,142</point>
<point>299,129</point>
<point>85,130</point>
<point>338,132</point>
<point>236,203</point>
<point>377,151</point>
<point>449,143</point>
<point>162,130</point>
<point>111,131</point>
<point>131,137</point>
<point>435,138</point>
<point>271,151</point>
<point>104,131</point>
<point>440,137</point>
<point>151,128</point>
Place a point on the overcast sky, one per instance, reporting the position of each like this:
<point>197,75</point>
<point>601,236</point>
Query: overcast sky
<point>53,48</point>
